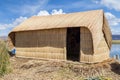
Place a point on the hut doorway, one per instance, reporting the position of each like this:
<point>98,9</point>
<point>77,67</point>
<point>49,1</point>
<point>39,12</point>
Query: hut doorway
<point>73,44</point>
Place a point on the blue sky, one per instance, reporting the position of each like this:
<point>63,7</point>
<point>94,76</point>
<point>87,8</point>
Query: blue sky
<point>13,12</point>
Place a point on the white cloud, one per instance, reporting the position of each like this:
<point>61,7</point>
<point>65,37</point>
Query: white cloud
<point>53,12</point>
<point>111,4</point>
<point>114,22</point>
<point>43,13</point>
<point>16,22</point>
<point>112,19</point>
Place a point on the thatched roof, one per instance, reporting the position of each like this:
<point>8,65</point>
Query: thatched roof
<point>93,20</point>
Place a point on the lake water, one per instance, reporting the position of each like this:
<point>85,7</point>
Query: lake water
<point>115,50</point>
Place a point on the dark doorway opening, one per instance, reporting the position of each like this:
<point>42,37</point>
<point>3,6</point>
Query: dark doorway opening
<point>73,44</point>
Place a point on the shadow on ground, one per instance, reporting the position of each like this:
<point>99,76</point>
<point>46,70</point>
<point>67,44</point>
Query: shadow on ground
<point>115,67</point>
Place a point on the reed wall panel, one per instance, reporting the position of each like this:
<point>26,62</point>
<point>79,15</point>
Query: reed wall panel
<point>40,55</point>
<point>107,33</point>
<point>43,44</point>
<point>102,52</point>
<point>86,45</point>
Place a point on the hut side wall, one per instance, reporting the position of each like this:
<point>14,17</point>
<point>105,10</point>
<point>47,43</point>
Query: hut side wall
<point>48,44</point>
<point>86,45</point>
<point>11,41</point>
<point>107,33</point>
<point>102,52</point>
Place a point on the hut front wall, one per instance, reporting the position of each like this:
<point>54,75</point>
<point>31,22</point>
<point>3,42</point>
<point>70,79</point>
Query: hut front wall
<point>86,45</point>
<point>102,51</point>
<point>50,44</point>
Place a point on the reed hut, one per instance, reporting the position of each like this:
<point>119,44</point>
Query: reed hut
<point>81,36</point>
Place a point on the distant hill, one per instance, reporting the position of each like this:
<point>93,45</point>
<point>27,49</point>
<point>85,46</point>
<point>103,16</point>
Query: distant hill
<point>115,37</point>
<point>3,37</point>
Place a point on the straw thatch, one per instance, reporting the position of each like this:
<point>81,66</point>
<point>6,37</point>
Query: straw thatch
<point>46,35</point>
